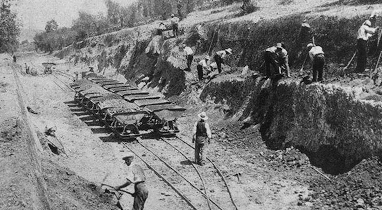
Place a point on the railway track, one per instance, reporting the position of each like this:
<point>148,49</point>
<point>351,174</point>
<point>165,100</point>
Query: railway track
<point>201,187</point>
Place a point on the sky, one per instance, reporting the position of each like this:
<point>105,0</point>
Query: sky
<point>35,13</point>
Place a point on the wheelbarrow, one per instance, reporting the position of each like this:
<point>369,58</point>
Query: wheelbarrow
<point>48,67</point>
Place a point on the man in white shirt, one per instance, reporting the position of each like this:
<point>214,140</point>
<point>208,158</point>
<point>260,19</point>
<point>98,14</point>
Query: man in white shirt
<point>202,137</point>
<point>220,56</point>
<point>364,32</point>
<point>202,66</point>
<point>189,55</point>
<point>317,57</point>
<point>175,24</point>
<point>137,177</point>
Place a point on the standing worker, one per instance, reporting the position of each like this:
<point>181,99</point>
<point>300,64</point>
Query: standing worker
<point>277,56</point>
<point>318,59</point>
<point>364,32</point>
<point>203,65</point>
<point>220,56</point>
<point>189,55</point>
<point>137,177</point>
<point>175,25</point>
<point>202,137</point>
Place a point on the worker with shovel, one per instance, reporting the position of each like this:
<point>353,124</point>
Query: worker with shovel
<point>277,56</point>
<point>317,57</point>
<point>137,177</point>
<point>364,32</point>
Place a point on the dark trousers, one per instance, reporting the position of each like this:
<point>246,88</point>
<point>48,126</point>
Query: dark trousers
<point>140,195</point>
<point>219,61</point>
<point>270,59</point>
<point>362,55</point>
<point>175,30</point>
<point>318,67</point>
<point>200,149</point>
<point>189,61</point>
<point>200,72</point>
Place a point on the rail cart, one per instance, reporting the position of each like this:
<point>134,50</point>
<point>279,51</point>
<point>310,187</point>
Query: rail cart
<point>48,67</point>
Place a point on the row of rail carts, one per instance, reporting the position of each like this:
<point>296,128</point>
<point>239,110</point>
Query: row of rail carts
<point>126,110</point>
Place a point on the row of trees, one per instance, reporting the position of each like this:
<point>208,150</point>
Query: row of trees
<point>117,17</point>
<point>9,28</point>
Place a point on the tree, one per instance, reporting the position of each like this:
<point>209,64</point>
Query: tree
<point>9,28</point>
<point>51,26</point>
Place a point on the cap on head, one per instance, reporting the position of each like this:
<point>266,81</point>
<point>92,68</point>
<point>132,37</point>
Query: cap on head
<point>373,15</point>
<point>127,155</point>
<point>203,116</point>
<point>207,57</point>
<point>279,45</point>
<point>310,45</point>
<point>172,15</point>
<point>228,50</point>
<point>367,22</point>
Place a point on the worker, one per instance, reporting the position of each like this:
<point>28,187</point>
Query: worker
<point>137,177</point>
<point>364,32</point>
<point>14,58</point>
<point>202,66</point>
<point>220,56</point>
<point>201,137</point>
<point>161,28</point>
<point>175,25</point>
<point>277,56</point>
<point>318,60</point>
<point>189,55</point>
<point>373,18</point>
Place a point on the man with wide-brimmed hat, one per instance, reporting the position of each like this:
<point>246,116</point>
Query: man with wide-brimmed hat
<point>220,56</point>
<point>137,177</point>
<point>202,137</point>
<point>175,25</point>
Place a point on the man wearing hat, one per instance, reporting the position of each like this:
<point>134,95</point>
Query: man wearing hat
<point>137,177</point>
<point>364,32</point>
<point>277,56</point>
<point>220,56</point>
<point>201,136</point>
<point>174,23</point>
<point>202,66</point>
<point>317,57</point>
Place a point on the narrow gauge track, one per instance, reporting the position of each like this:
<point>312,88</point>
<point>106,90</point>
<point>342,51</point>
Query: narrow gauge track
<point>222,201</point>
<point>62,82</point>
<point>178,173</point>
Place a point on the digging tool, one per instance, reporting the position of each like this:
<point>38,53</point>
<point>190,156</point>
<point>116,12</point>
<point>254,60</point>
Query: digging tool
<point>322,174</point>
<point>117,191</point>
<point>302,67</point>
<point>376,65</point>
<point>347,66</point>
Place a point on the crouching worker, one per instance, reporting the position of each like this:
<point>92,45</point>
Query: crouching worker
<point>135,175</point>
<point>202,66</point>
<point>201,137</point>
<point>318,60</point>
<point>276,56</point>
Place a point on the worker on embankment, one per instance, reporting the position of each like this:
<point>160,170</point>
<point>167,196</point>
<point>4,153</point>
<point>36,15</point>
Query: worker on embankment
<point>277,56</point>
<point>220,56</point>
<point>317,57</point>
<point>202,66</point>
<point>202,138</point>
<point>135,175</point>
<point>364,32</point>
<point>175,25</point>
<point>189,53</point>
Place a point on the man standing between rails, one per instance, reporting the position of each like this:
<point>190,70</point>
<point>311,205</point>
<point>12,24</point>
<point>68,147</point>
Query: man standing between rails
<point>364,32</point>
<point>136,176</point>
<point>202,65</point>
<point>277,56</point>
<point>175,25</point>
<point>317,56</point>
<point>189,55</point>
<point>202,137</point>
<point>220,56</point>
